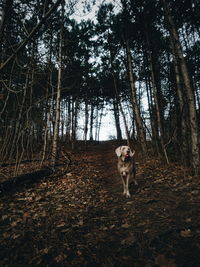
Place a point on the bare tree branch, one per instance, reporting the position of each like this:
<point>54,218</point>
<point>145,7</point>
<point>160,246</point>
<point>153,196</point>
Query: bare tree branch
<point>31,34</point>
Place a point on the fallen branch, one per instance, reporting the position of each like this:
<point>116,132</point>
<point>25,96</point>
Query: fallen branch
<point>24,179</point>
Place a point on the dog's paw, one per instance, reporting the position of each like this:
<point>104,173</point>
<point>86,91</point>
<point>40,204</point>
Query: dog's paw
<point>128,195</point>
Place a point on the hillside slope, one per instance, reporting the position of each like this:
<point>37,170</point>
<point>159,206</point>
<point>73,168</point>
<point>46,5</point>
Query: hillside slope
<point>82,218</point>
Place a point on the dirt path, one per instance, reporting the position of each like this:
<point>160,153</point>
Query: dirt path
<point>83,219</point>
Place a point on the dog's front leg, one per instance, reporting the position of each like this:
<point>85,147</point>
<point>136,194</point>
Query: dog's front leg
<point>127,186</point>
<point>124,185</point>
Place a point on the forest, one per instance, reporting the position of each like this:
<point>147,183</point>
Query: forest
<point>64,67</point>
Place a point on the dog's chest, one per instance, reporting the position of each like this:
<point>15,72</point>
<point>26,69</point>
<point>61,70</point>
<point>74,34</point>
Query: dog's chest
<point>124,166</point>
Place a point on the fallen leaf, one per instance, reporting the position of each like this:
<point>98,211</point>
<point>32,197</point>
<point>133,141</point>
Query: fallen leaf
<point>126,225</point>
<point>186,233</point>
<point>13,224</point>
<point>26,214</point>
<point>38,198</point>
<point>61,225</point>
<point>15,236</point>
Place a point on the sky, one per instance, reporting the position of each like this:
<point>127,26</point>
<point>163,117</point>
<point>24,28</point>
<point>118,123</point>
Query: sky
<point>107,126</point>
<point>79,7</point>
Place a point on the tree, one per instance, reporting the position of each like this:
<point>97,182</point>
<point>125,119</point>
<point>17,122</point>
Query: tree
<point>192,117</point>
<point>58,93</point>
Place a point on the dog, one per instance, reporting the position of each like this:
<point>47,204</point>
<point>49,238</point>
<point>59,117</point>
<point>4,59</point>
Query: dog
<point>126,167</point>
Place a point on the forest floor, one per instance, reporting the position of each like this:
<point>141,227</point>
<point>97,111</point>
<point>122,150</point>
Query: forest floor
<point>83,219</point>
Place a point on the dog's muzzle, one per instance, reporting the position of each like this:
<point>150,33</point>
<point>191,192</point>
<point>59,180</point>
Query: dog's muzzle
<point>127,157</point>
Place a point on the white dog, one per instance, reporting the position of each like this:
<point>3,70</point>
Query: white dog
<point>126,167</point>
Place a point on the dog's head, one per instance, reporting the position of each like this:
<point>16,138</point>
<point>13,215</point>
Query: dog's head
<point>124,152</point>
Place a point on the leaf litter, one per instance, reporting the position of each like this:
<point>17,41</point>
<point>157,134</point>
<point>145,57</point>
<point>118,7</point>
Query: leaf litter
<point>82,218</point>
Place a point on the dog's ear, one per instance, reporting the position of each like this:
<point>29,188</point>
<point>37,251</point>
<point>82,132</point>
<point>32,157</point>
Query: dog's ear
<point>132,153</point>
<point>118,151</point>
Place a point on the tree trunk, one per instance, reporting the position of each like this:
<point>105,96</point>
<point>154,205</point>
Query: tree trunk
<point>69,119</point>
<point>57,109</point>
<point>96,122</point>
<point>157,106</point>
<point>91,122</point>
<point>182,112</point>
<point>6,13</point>
<point>74,121</point>
<point>117,120</point>
<point>138,119</point>
<point>152,119</point>
<point>121,109</point>
<point>118,100</point>
<point>99,123</point>
<point>188,89</point>
<point>86,121</point>
<point>18,125</point>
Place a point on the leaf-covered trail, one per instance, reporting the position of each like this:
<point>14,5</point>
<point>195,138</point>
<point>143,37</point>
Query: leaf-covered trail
<point>82,219</point>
